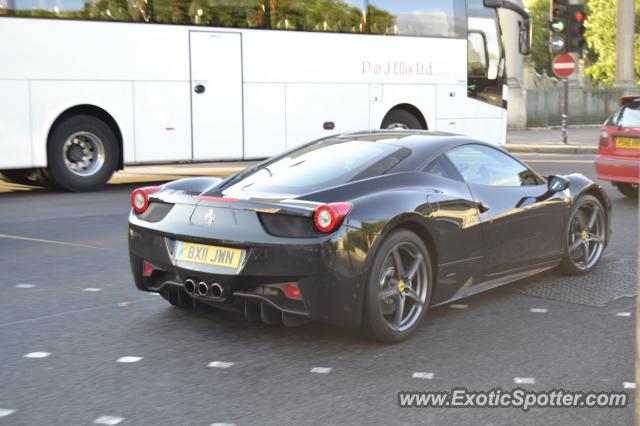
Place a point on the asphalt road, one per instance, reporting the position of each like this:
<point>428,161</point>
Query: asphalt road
<point>66,291</point>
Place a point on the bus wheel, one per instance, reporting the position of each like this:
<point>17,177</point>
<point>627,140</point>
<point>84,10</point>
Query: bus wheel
<point>400,119</point>
<point>82,152</point>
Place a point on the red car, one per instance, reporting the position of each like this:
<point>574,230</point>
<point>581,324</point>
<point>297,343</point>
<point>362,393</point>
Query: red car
<point>618,158</point>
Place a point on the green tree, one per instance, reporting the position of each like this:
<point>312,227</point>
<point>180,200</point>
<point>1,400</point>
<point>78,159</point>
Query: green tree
<point>540,56</point>
<point>601,38</point>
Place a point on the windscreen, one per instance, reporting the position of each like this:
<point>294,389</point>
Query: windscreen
<point>629,115</point>
<point>316,167</point>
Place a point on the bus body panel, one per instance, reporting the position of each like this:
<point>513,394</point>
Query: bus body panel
<point>15,125</point>
<point>162,113</point>
<point>264,123</point>
<point>343,107</point>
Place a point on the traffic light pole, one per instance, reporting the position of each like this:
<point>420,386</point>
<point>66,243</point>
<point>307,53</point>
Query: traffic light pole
<point>565,110</point>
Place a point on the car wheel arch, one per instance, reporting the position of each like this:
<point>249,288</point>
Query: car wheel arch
<point>416,224</point>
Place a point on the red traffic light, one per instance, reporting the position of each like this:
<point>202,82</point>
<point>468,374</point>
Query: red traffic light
<point>580,16</point>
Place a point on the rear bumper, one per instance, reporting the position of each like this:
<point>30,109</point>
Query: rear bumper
<point>618,169</point>
<point>330,279</point>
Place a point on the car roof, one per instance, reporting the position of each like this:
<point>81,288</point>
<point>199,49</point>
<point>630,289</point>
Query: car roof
<point>424,144</point>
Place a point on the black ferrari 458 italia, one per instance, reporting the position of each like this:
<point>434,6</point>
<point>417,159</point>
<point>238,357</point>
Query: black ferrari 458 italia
<point>369,228</point>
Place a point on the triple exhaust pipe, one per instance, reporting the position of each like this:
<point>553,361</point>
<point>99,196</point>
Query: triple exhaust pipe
<point>213,290</point>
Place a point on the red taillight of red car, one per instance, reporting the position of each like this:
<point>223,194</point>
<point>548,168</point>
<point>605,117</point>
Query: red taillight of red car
<point>140,198</point>
<point>604,137</point>
<point>329,217</point>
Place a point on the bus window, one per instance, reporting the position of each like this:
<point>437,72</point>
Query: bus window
<point>437,18</point>
<point>484,34</point>
<point>477,55</point>
<point>212,13</point>
<point>324,16</point>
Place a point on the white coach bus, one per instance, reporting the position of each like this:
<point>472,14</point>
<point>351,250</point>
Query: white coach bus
<point>88,86</point>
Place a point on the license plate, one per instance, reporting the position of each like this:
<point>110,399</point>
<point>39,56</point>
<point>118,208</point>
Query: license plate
<point>208,255</point>
<point>628,143</point>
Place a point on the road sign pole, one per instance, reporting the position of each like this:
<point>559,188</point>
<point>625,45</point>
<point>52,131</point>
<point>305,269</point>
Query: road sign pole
<point>565,110</point>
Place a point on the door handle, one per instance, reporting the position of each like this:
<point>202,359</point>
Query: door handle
<point>482,207</point>
<point>199,89</point>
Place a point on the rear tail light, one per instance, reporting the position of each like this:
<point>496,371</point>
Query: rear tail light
<point>329,217</point>
<point>147,269</point>
<point>140,198</point>
<point>604,137</point>
<point>291,290</point>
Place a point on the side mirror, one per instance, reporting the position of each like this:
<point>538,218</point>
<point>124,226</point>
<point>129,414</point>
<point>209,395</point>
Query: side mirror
<point>524,37</point>
<point>557,184</point>
<point>493,3</point>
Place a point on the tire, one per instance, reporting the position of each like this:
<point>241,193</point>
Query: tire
<point>76,138</point>
<point>380,313</point>
<point>574,234</point>
<point>628,189</point>
<point>399,118</point>
<point>21,177</point>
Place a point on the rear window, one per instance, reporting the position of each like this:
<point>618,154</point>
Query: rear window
<point>629,115</point>
<point>316,167</point>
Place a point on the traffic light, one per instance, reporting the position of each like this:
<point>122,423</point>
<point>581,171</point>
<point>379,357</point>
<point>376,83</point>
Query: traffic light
<point>575,40</point>
<point>559,26</point>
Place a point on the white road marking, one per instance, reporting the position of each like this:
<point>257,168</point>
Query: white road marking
<point>623,314</point>
<point>524,380</point>
<point>629,385</point>
<point>222,424</point>
<point>108,420</point>
<point>24,285</point>
<point>37,355</point>
<point>220,364</point>
<point>6,412</point>
<point>422,375</point>
<point>60,243</point>
<point>538,310</point>
<point>458,306</point>
<point>91,289</point>
<point>320,370</point>
<point>130,359</point>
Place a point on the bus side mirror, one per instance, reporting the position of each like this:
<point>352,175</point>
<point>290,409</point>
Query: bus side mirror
<point>493,3</point>
<point>524,37</point>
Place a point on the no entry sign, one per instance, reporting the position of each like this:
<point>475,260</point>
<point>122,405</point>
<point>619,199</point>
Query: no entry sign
<point>563,65</point>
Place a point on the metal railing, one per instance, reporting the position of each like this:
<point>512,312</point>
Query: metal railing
<point>587,105</point>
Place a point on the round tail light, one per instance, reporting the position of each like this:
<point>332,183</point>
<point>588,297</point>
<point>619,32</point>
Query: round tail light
<point>140,198</point>
<point>329,217</point>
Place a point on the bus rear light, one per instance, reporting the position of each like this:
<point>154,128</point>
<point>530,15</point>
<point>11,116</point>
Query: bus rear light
<point>329,217</point>
<point>140,198</point>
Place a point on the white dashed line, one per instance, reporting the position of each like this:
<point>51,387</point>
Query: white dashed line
<point>5,412</point>
<point>108,420</point>
<point>458,306</point>
<point>37,355</point>
<point>220,364</point>
<point>222,424</point>
<point>24,285</point>
<point>320,370</point>
<point>130,359</point>
<point>524,380</point>
<point>91,289</point>
<point>538,310</point>
<point>629,385</point>
<point>623,314</point>
<point>422,375</point>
